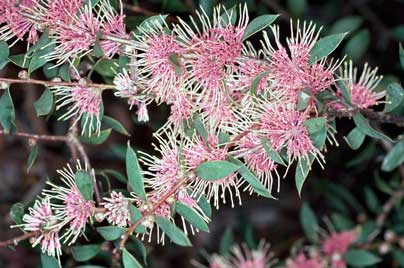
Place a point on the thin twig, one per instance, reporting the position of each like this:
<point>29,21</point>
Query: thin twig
<point>52,138</point>
<point>53,83</point>
<point>14,241</point>
<point>138,9</point>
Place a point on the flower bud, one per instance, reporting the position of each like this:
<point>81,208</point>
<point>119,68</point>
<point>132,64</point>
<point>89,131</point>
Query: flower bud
<point>390,236</point>
<point>56,80</point>
<point>4,85</point>
<point>99,216</point>
<point>23,74</point>
<point>384,248</point>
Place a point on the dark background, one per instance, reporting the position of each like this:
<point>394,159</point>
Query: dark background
<point>374,40</point>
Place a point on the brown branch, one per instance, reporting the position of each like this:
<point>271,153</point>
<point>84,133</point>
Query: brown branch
<point>138,9</point>
<point>53,83</point>
<point>147,213</point>
<point>14,241</point>
<point>370,114</point>
<point>51,138</point>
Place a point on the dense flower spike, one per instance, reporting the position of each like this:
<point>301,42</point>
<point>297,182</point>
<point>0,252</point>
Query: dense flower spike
<point>41,218</point>
<point>243,257</point>
<point>117,207</point>
<point>74,210</point>
<point>336,244</point>
<point>302,261</point>
<point>81,102</point>
<point>362,91</point>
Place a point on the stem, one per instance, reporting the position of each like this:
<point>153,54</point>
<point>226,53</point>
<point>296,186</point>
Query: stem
<point>52,138</point>
<point>371,115</point>
<point>14,241</point>
<point>132,228</point>
<point>52,83</point>
<point>138,9</point>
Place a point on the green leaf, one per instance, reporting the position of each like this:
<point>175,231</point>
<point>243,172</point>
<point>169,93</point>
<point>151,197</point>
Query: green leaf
<point>302,170</point>
<point>205,206</point>
<point>107,68</point>
<point>85,184</point>
<point>4,53</point>
<point>90,266</point>
<point>117,175</point>
<point>362,123</point>
<point>110,233</point>
<point>20,60</point>
<point>341,222</point>
<point>360,258</point>
<point>200,129</point>
<point>229,17</point>
<point>140,248</point>
<point>191,216</point>
<point>394,97</point>
<point>207,6</point>
<point>153,22</point>
<point>227,242</point>
<point>344,90</point>
<point>50,70</point>
<point>32,157</point>
<point>249,177</point>
<point>173,232</point>
<point>136,215</point>
<point>17,211</point>
<point>129,261</point>
<point>355,138</point>
<point>95,138</point>
<point>398,32</point>
<point>401,53</point>
<point>7,112</point>
<point>297,7</point>
<point>325,46</point>
<point>214,170</point>
<point>346,25</point>
<point>256,81</point>
<point>357,45</point>
<point>49,261</point>
<point>372,201</point>
<point>86,252</point>
<point>317,128</point>
<point>309,223</point>
<point>275,156</point>
<point>258,24</point>
<point>394,158</point>
<point>115,125</point>
<point>43,106</point>
<point>176,63</point>
<point>303,99</point>
<point>133,170</point>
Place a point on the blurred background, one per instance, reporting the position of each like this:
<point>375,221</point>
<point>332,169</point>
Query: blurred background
<point>345,186</point>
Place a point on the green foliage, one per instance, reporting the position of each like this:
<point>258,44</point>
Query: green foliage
<point>363,125</point>
<point>7,112</point>
<point>134,172</point>
<point>215,170</point>
<point>17,212</point>
<point>258,24</point>
<point>360,258</point>
<point>357,45</point>
<point>49,261</point>
<point>191,216</point>
<point>347,24</point>
<point>297,7</point>
<point>355,138</point>
<point>302,171</point>
<point>173,232</point>
<point>86,252</point>
<point>275,156</point>
<point>309,223</point>
<point>325,46</point>
<point>317,128</point>
<point>226,242</point>
<point>110,233</point>
<point>85,184</point>
<point>394,97</point>
<point>129,261</point>
<point>115,125</point>
<point>95,138</point>
<point>4,53</point>
<point>32,156</point>
<point>394,157</point>
<point>44,105</point>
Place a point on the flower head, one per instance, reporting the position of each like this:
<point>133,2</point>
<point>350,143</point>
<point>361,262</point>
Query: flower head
<point>81,102</point>
<point>336,244</point>
<point>117,207</point>
<point>73,210</point>
<point>199,151</point>
<point>301,261</point>
<point>125,87</point>
<point>41,218</point>
<point>291,67</point>
<point>362,90</point>
<point>243,257</point>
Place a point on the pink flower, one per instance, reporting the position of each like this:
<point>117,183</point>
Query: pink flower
<point>155,63</point>
<point>76,38</point>
<point>198,152</point>
<point>181,109</point>
<point>81,101</point>
<point>248,71</point>
<point>285,128</point>
<point>117,207</point>
<point>254,155</point>
<point>362,90</point>
<point>125,88</point>
<point>243,257</point>
<point>301,261</point>
<point>294,73</point>
<point>17,24</point>
<point>41,218</point>
<point>61,11</point>
<point>336,244</point>
<point>74,210</point>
